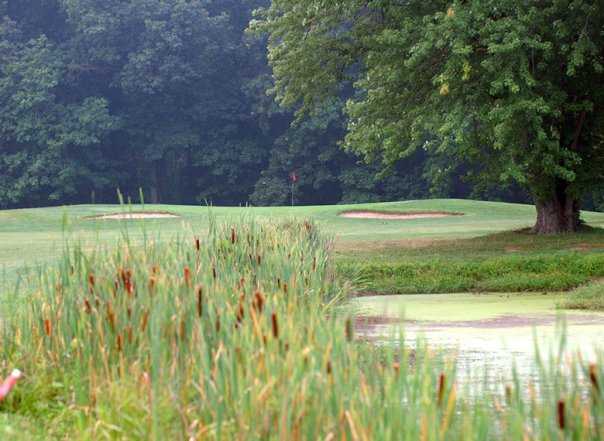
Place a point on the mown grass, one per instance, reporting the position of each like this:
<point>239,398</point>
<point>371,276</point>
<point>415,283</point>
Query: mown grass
<point>238,336</point>
<point>589,297</point>
<point>504,262</point>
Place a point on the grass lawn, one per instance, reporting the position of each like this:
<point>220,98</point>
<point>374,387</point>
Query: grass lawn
<point>483,250</point>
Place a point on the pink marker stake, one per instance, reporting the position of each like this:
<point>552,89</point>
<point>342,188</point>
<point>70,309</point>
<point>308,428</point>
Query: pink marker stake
<point>9,383</point>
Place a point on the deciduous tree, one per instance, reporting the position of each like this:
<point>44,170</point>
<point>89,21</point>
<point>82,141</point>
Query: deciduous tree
<point>516,86</point>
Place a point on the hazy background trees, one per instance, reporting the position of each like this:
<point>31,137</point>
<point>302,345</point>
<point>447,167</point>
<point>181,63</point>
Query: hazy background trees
<point>174,97</point>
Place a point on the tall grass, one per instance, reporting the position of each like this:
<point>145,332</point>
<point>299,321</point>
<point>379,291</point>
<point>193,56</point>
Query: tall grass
<point>510,273</point>
<point>588,297</point>
<point>236,336</point>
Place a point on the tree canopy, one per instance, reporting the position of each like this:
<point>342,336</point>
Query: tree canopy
<point>513,86</point>
<point>175,97</point>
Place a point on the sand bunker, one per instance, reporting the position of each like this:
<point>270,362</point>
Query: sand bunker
<point>397,216</point>
<point>134,215</point>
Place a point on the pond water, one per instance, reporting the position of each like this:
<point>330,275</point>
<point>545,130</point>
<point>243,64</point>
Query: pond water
<point>487,334</point>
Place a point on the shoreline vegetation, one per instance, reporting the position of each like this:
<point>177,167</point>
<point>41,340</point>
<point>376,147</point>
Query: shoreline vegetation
<point>238,335</point>
<point>588,297</point>
<point>512,261</point>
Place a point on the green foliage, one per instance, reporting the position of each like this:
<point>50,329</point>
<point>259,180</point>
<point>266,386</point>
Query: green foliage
<point>589,297</point>
<point>498,274</point>
<point>503,262</point>
<point>137,94</point>
<point>171,97</point>
<point>47,143</point>
<point>512,86</point>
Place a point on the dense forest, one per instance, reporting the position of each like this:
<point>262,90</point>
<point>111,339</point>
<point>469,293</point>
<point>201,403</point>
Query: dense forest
<point>177,98</point>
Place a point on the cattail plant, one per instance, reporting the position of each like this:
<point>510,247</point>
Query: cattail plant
<point>258,302</point>
<point>349,330</point>
<point>136,353</point>
<point>187,276</point>
<point>199,298</point>
<point>441,388</point>
<point>593,379</point>
<point>275,325</point>
<point>561,414</point>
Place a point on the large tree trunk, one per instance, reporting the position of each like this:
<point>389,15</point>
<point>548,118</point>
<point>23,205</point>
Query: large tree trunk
<point>558,214</point>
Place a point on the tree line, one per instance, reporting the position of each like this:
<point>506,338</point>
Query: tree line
<point>177,98</point>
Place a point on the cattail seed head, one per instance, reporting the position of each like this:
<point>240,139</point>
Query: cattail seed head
<point>197,244</point>
<point>87,307</point>
<point>47,327</point>
<point>349,330</point>
<point>275,325</point>
<point>129,286</point>
<point>561,415</point>
<point>508,394</point>
<point>119,342</point>
<point>593,378</point>
<point>328,368</point>
<point>233,236</point>
<point>187,276</point>
<point>441,388</point>
<point>144,321</point>
<point>240,311</point>
<point>183,329</point>
<point>130,334</point>
<point>258,302</point>
<point>199,291</point>
<point>91,282</point>
<point>110,316</point>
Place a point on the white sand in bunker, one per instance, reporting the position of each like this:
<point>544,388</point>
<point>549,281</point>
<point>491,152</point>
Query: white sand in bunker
<point>397,216</point>
<point>134,215</point>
